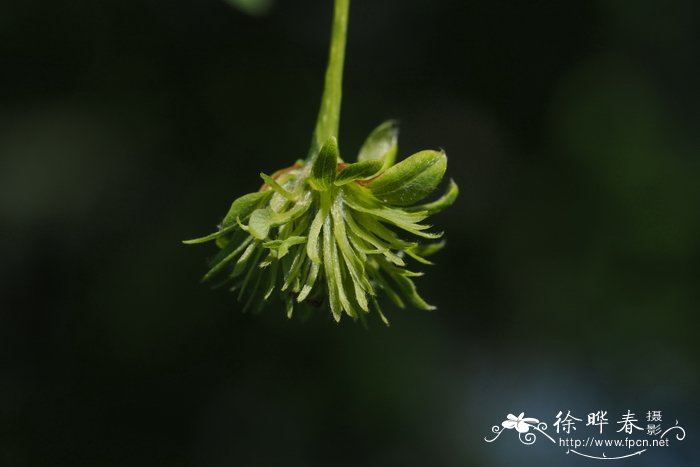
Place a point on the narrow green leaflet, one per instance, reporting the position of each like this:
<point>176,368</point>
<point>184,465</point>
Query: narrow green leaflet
<point>354,266</point>
<point>262,220</point>
<point>310,282</point>
<point>242,262</point>
<point>272,183</point>
<point>281,247</point>
<point>325,166</point>
<point>441,203</point>
<point>243,206</point>
<point>221,264</point>
<point>428,249</point>
<point>410,180</point>
<point>250,274</point>
<point>294,270</point>
<point>388,289</point>
<point>406,285</point>
<point>260,223</point>
<point>240,208</point>
<point>381,144</point>
<point>312,248</point>
<point>330,267</point>
<point>312,245</point>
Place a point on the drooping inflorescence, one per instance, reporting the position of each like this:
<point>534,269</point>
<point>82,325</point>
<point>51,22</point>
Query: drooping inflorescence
<point>327,234</point>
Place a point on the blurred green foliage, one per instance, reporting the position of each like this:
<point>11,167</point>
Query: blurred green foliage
<point>252,7</point>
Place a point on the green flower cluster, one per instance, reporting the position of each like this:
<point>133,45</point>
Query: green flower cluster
<point>324,233</point>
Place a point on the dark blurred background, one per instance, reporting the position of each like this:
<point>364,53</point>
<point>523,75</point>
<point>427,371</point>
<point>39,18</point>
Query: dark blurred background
<point>569,281</point>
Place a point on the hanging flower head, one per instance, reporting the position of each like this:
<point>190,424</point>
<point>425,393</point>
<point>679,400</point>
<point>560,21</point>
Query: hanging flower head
<point>326,233</point>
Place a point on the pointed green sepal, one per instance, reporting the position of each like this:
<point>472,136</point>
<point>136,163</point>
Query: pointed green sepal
<point>272,183</point>
<point>243,206</point>
<point>358,171</point>
<point>325,166</point>
<point>441,203</point>
<point>281,247</point>
<point>381,144</point>
<point>260,223</point>
<point>410,180</point>
<point>428,249</point>
<point>240,209</point>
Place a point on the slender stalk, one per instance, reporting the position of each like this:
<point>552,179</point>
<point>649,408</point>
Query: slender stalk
<point>329,113</point>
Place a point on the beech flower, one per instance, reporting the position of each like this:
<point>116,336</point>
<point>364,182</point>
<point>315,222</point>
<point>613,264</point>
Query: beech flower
<point>331,234</point>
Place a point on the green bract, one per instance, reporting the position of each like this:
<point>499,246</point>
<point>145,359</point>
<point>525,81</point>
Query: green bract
<point>327,234</point>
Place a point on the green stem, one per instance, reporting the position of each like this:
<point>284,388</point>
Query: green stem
<point>329,113</point>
